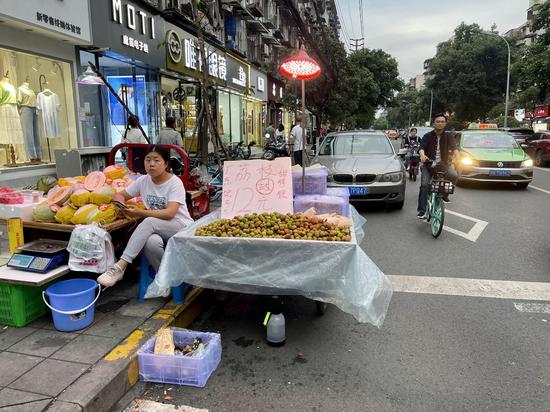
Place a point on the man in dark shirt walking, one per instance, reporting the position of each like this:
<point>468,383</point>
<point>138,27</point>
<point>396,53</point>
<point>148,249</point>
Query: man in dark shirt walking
<point>440,147</point>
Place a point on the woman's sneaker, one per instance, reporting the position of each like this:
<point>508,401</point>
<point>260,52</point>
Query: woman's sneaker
<point>111,276</point>
<point>421,215</point>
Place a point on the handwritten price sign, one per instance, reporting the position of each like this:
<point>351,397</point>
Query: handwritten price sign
<point>257,186</point>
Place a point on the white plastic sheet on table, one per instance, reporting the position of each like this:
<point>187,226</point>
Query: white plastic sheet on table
<point>339,273</point>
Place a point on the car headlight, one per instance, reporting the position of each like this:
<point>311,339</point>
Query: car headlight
<point>527,163</point>
<point>330,178</point>
<point>467,161</point>
<point>391,177</point>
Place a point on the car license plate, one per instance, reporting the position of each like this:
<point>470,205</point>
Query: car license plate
<point>500,172</point>
<point>358,191</point>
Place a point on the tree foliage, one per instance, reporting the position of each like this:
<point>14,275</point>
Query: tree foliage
<point>468,73</point>
<point>363,81</point>
<point>534,66</point>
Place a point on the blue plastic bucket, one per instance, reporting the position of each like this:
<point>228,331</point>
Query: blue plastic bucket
<point>72,303</point>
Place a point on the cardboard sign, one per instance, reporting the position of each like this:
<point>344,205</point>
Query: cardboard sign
<point>257,186</point>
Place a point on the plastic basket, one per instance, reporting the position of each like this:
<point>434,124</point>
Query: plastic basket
<point>444,187</point>
<point>20,305</point>
<point>342,192</point>
<point>322,204</point>
<point>177,369</point>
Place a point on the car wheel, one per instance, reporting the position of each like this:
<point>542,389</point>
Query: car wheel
<point>538,159</point>
<point>522,186</point>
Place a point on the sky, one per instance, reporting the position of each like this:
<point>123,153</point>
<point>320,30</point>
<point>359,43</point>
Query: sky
<point>410,30</point>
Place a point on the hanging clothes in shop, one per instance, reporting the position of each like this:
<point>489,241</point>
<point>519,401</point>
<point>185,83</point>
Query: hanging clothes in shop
<point>11,132</point>
<point>48,104</point>
<point>26,98</point>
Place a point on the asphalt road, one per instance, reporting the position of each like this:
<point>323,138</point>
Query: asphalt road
<point>435,352</point>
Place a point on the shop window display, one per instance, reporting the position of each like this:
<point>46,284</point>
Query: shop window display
<point>37,112</point>
<point>178,100</point>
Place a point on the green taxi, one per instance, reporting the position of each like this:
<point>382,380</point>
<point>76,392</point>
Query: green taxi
<point>492,156</point>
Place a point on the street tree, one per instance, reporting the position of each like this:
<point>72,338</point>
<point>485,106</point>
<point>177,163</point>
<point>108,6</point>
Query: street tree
<point>534,66</point>
<point>468,72</point>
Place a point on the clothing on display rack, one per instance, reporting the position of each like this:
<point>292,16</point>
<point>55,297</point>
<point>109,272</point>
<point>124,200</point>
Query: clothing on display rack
<point>10,122</point>
<point>48,104</point>
<point>26,98</point>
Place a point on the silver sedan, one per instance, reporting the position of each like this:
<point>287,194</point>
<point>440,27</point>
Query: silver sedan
<point>367,164</point>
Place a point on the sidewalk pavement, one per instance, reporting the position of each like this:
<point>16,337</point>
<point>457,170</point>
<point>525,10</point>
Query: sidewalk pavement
<point>90,369</point>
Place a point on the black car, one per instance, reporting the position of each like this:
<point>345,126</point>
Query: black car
<point>519,133</point>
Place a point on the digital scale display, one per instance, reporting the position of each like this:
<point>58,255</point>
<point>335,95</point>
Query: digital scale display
<point>22,261</point>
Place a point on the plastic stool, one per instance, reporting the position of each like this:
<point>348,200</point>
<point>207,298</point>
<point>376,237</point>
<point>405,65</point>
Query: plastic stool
<point>146,277</point>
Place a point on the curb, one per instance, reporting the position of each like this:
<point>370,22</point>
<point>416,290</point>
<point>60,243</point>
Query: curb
<point>108,380</point>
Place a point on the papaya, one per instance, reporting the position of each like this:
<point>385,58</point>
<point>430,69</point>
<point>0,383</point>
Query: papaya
<point>102,195</point>
<point>94,181</point>
<point>119,185</point>
<point>60,195</point>
<point>106,214</point>
<point>65,214</point>
<point>85,215</point>
<point>44,212</point>
<point>80,197</point>
<point>67,181</point>
<point>115,172</point>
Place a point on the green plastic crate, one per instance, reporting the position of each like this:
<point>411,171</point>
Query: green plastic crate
<point>20,305</point>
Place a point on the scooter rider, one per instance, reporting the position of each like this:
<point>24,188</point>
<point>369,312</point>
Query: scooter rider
<point>412,143</point>
<point>441,147</point>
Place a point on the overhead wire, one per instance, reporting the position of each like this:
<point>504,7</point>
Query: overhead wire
<point>345,34</point>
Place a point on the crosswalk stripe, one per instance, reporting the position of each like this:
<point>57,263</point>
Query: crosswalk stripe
<point>540,189</point>
<point>500,289</point>
<point>532,307</point>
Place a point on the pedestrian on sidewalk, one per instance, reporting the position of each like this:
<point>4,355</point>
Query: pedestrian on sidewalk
<point>165,214</point>
<point>133,134</point>
<point>440,147</point>
<point>280,133</point>
<point>270,130</point>
<point>296,139</point>
<point>169,135</point>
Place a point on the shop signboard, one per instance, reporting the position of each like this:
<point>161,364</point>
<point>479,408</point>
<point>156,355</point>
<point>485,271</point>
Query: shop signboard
<point>183,56</point>
<point>258,83</point>
<point>541,110</point>
<point>130,29</point>
<point>275,90</point>
<point>257,186</point>
<point>238,74</point>
<point>69,19</point>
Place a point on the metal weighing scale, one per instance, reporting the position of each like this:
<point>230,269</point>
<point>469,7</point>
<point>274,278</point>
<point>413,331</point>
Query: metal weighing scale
<point>40,256</point>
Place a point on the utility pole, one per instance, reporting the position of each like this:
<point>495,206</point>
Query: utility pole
<point>357,43</point>
<point>431,105</point>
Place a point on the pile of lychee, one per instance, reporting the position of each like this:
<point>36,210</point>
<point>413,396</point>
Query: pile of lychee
<point>276,225</point>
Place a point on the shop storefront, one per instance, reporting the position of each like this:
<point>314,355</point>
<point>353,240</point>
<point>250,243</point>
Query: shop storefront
<point>127,39</point>
<point>180,94</point>
<point>277,114</point>
<point>258,98</point>
<point>38,70</point>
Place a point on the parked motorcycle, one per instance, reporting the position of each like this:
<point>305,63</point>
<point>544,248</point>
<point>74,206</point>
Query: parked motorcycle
<point>275,148</point>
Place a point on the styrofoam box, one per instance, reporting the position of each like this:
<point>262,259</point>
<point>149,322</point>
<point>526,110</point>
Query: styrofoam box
<point>315,181</point>
<point>24,211</point>
<point>178,369</point>
<point>322,204</point>
<point>342,192</point>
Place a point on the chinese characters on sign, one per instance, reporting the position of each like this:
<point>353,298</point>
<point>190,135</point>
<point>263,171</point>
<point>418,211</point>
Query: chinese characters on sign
<point>257,186</point>
<point>241,81</point>
<point>217,65</point>
<point>135,44</point>
<point>55,22</point>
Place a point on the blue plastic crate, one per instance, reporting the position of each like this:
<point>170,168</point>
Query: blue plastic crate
<point>178,369</point>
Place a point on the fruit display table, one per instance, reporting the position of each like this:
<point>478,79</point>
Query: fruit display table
<point>335,272</point>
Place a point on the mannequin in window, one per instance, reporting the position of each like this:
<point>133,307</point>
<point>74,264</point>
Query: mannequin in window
<point>11,132</point>
<point>26,99</point>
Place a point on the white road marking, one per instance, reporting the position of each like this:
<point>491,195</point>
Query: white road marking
<point>540,189</point>
<point>143,405</point>
<point>532,307</point>
<point>474,233</point>
<point>501,289</point>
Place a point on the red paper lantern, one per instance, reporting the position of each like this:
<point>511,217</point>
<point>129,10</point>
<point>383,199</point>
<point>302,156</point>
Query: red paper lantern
<point>300,66</point>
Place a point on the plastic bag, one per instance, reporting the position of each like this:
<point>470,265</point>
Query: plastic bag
<point>339,273</point>
<point>91,249</point>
